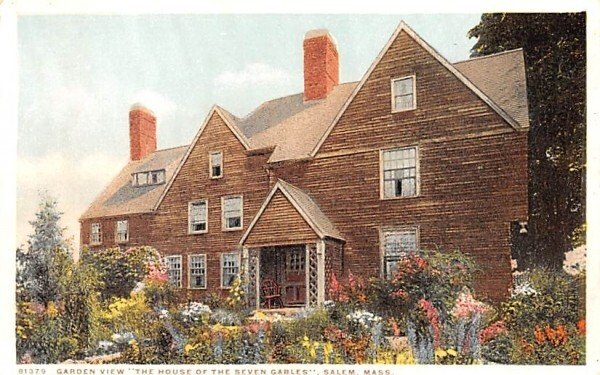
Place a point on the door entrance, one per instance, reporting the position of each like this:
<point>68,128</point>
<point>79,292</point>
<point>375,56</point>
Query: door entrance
<point>286,265</point>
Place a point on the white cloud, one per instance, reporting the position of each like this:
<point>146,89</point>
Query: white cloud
<point>252,75</point>
<point>73,182</point>
<point>157,103</point>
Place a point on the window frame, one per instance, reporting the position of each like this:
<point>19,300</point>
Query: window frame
<point>383,231</point>
<point>189,271</point>
<point>224,227</point>
<point>417,172</point>
<point>117,240</point>
<point>414,93</point>
<point>190,228</point>
<point>92,242</point>
<point>135,181</point>
<point>222,268</point>
<point>180,283</point>
<point>210,166</point>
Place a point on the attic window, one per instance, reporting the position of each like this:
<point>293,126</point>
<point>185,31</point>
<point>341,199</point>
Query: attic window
<point>404,97</point>
<point>148,178</point>
<point>216,164</point>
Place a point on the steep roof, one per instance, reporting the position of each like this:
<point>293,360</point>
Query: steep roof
<point>305,205</point>
<point>501,77</point>
<point>295,128</point>
<point>121,198</point>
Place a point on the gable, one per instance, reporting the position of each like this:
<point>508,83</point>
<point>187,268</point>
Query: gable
<point>279,223</point>
<point>447,102</point>
<point>218,132</point>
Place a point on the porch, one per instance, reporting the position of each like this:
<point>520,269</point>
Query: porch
<point>289,251</point>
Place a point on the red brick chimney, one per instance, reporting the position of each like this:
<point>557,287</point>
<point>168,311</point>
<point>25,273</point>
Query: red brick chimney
<point>321,64</point>
<point>142,132</point>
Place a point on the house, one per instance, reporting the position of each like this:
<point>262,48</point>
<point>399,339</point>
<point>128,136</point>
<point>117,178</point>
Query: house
<point>419,154</point>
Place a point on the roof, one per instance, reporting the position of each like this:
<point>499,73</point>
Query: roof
<point>295,129</point>
<point>121,198</point>
<point>506,85</point>
<point>291,124</point>
<point>307,208</point>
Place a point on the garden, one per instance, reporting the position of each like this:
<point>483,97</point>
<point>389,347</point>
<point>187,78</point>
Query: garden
<point>117,306</point>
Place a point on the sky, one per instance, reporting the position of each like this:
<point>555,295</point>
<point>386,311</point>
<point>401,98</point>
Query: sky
<point>80,74</point>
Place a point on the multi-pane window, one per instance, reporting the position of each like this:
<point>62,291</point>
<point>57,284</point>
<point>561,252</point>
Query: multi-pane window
<point>96,234</point>
<point>396,244</point>
<point>197,271</point>
<point>232,212</point>
<point>173,264</point>
<point>197,216</point>
<point>403,95</point>
<point>229,269</point>
<point>148,178</point>
<point>399,172</point>
<point>216,164</point>
<point>122,231</point>
<point>295,260</point>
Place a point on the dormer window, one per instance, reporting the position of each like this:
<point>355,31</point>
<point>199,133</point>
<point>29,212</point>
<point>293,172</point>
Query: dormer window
<point>404,97</point>
<point>216,164</point>
<point>148,178</point>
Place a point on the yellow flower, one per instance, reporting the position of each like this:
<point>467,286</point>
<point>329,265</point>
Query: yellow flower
<point>452,352</point>
<point>440,353</point>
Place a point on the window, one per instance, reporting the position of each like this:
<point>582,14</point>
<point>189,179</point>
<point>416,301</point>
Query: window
<point>96,234</point>
<point>396,244</point>
<point>216,164</point>
<point>399,172</point>
<point>229,269</point>
<point>173,264</point>
<point>122,231</point>
<point>295,260</point>
<point>197,271</point>
<point>148,178</point>
<point>403,94</point>
<point>197,214</point>
<point>232,208</point>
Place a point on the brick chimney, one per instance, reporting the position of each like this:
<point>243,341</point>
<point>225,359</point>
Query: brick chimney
<point>321,64</point>
<point>142,132</point>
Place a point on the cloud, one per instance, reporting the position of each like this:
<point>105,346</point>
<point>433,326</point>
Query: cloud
<point>73,182</point>
<point>157,103</point>
<point>252,75</point>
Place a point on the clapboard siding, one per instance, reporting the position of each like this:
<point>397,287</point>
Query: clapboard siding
<point>444,104</point>
<point>242,175</point>
<point>280,223</point>
<point>138,232</point>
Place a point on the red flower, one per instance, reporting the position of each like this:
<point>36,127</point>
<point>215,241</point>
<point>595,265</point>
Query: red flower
<point>434,319</point>
<point>492,331</point>
<point>581,327</point>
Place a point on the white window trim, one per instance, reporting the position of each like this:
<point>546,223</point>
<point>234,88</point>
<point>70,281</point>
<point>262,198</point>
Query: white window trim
<point>418,172</point>
<point>393,101</point>
<point>180,269</point>
<point>190,231</point>
<point>117,232</point>
<point>382,230</point>
<point>221,267</point>
<point>223,227</point>
<point>99,234</point>
<point>210,154</point>
<point>189,271</point>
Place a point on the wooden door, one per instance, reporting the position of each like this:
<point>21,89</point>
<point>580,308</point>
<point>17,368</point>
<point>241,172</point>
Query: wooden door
<point>294,283</point>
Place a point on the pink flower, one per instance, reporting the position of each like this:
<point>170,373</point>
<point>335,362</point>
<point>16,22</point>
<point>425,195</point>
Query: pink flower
<point>156,274</point>
<point>466,306</point>
<point>434,319</point>
<point>492,331</point>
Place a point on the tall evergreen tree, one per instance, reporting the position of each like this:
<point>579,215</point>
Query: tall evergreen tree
<point>39,266</point>
<point>555,59</point>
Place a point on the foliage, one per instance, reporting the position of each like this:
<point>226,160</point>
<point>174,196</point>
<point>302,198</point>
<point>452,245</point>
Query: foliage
<point>122,270</point>
<point>40,266</point>
<point>554,45</point>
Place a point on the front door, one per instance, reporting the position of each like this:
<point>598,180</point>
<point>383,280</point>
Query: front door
<point>294,276</point>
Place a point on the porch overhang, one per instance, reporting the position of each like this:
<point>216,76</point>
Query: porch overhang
<point>289,215</point>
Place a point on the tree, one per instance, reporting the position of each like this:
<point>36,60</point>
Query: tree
<point>555,58</point>
<point>39,267</point>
